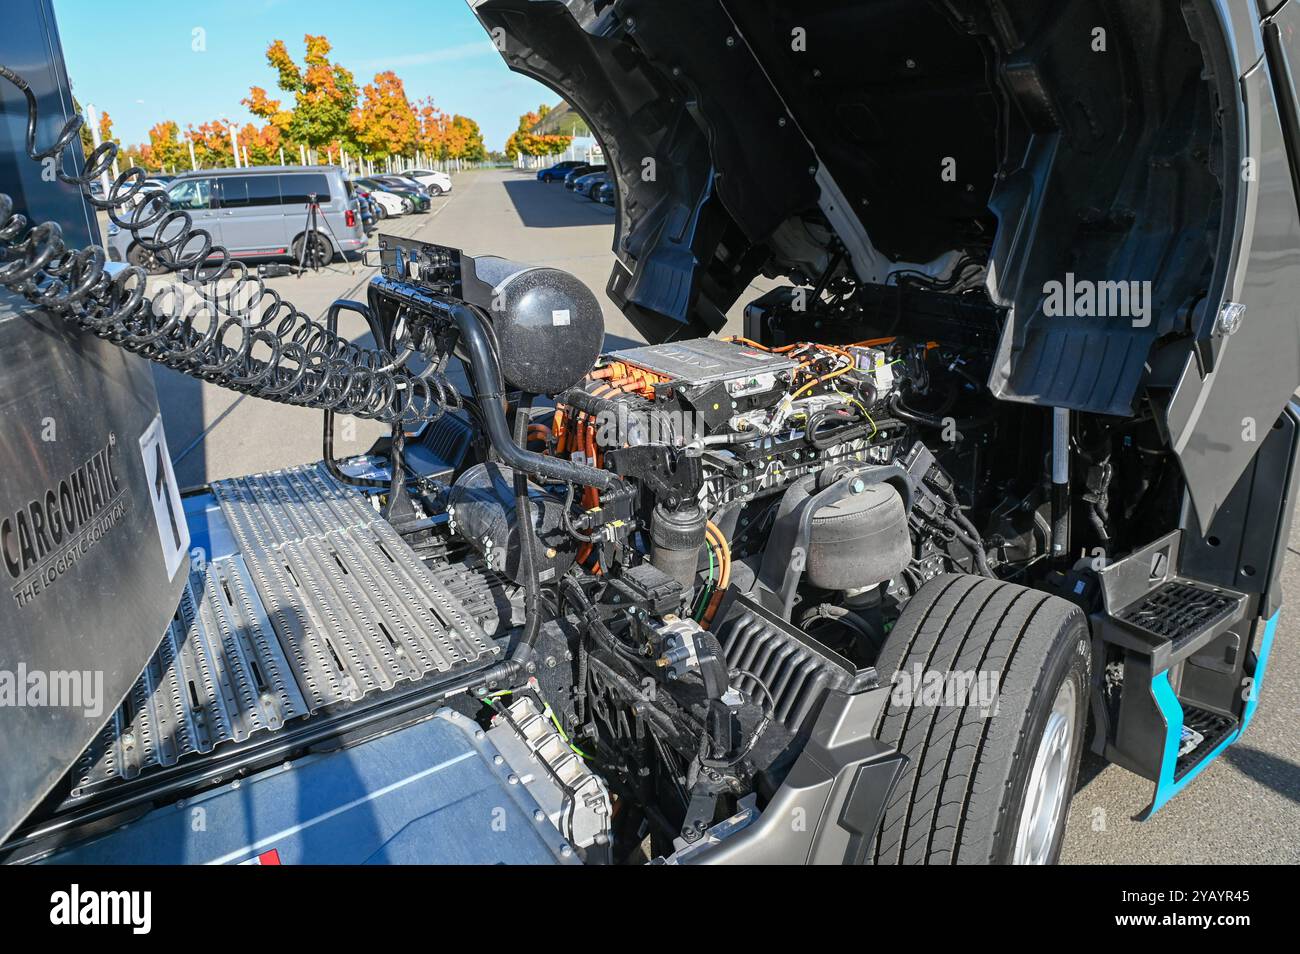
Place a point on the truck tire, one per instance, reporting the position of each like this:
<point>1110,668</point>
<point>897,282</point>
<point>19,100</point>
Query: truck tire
<point>983,784</point>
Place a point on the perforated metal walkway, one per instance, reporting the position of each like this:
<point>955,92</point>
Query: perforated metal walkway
<point>323,604</point>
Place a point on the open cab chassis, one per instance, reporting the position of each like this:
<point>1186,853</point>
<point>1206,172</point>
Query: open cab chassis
<point>1001,468</point>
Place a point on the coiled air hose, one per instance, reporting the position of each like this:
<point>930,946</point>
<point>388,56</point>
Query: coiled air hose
<point>218,322</point>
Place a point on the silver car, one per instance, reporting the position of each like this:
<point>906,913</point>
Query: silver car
<point>261,212</point>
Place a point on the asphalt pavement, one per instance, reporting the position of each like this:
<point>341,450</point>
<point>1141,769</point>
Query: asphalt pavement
<point>1244,808</point>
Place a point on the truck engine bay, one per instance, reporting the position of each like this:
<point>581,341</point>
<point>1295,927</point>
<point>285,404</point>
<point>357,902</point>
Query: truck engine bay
<point>723,535</point>
<point>645,605</point>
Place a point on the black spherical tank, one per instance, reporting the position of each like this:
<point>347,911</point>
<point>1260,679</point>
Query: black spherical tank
<point>549,326</point>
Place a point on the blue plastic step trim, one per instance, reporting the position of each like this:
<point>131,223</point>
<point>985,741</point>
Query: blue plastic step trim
<point>1172,710</point>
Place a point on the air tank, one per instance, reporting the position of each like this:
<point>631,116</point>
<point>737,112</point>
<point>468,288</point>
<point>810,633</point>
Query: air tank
<point>549,326</point>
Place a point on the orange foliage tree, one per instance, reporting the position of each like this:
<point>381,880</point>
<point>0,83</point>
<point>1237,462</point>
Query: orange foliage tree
<point>385,124</point>
<point>165,149</point>
<point>523,141</point>
<point>324,95</point>
<point>106,128</point>
<point>212,143</point>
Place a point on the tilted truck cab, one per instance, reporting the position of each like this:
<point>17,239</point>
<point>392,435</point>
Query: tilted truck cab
<point>1002,468</point>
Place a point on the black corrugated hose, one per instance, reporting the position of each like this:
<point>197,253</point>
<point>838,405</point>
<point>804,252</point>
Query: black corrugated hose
<point>527,541</point>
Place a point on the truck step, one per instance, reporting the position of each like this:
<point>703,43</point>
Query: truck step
<point>1202,733</point>
<point>1182,612</point>
<point>1174,620</point>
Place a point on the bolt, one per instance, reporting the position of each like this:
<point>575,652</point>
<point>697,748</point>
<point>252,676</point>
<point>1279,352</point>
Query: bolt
<point>781,121</point>
<point>497,760</point>
<point>513,779</point>
<point>1229,317</point>
<point>565,850</point>
<point>857,486</point>
<point>539,815</point>
<point>731,41</point>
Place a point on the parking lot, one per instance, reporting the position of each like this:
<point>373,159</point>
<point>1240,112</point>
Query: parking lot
<point>1245,808</point>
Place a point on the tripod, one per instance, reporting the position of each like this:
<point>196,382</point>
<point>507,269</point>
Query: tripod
<point>311,236</point>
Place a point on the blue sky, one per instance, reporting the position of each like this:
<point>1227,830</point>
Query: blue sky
<point>136,60</point>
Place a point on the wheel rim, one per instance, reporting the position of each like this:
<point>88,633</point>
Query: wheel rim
<point>316,253</point>
<point>1045,793</point>
<point>147,260</point>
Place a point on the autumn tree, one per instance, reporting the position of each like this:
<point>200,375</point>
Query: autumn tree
<point>466,140</point>
<point>325,94</point>
<point>431,129</point>
<point>524,141</point>
<point>165,150</point>
<point>441,136</point>
<point>211,141</point>
<point>141,155</point>
<point>385,124</point>
<point>106,128</point>
<point>262,144</point>
<point>259,104</point>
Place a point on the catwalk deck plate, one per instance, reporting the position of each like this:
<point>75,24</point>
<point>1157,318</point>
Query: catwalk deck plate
<point>324,603</point>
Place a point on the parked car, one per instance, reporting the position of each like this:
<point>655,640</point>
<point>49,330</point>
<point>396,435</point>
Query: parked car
<point>557,172</point>
<point>261,213</point>
<point>438,183</point>
<point>578,171</point>
<point>416,195</point>
<point>587,184</point>
<point>387,204</point>
<point>368,208</point>
<point>605,193</point>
